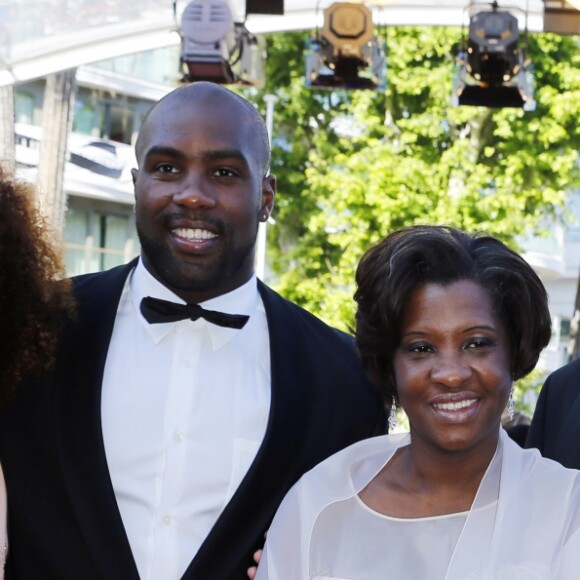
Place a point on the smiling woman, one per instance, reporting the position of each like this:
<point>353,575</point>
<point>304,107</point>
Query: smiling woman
<point>446,322</point>
<point>452,367</point>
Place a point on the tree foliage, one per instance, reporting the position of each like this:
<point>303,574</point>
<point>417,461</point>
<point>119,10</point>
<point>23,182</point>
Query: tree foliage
<point>354,165</point>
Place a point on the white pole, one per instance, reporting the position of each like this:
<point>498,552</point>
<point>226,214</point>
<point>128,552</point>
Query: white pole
<point>263,227</point>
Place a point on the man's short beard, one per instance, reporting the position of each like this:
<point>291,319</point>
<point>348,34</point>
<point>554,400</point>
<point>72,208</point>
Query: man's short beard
<point>190,277</point>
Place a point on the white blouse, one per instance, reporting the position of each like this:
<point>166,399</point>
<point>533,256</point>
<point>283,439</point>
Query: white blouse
<point>344,543</point>
<point>524,524</point>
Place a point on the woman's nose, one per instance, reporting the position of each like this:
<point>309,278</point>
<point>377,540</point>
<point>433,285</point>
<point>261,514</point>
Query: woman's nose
<point>451,371</point>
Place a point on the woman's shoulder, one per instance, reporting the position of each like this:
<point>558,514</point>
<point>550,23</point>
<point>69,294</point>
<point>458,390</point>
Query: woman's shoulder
<point>349,470</point>
<point>530,466</point>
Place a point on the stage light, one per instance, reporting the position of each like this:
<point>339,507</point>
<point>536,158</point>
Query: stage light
<point>346,53</point>
<point>216,48</point>
<point>492,71</point>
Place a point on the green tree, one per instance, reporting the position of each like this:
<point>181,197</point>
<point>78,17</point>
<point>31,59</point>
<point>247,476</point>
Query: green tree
<point>409,157</point>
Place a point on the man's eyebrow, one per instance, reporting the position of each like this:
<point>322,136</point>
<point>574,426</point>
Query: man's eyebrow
<point>212,155</point>
<point>219,154</point>
<point>165,152</point>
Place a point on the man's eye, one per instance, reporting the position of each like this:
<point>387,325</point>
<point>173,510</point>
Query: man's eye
<point>224,172</point>
<point>167,168</point>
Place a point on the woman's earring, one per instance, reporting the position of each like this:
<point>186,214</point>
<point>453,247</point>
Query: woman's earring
<point>511,409</point>
<point>393,415</point>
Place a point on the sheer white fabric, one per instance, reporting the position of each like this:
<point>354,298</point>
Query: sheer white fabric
<point>344,543</point>
<point>524,524</point>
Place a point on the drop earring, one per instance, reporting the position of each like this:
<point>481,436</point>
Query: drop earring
<point>393,415</point>
<point>511,407</point>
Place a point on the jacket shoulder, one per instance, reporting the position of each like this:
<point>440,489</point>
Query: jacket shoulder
<point>118,272</point>
<point>569,373</point>
<point>300,319</point>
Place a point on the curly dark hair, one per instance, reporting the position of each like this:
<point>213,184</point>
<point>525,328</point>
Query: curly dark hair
<point>35,297</point>
<point>409,258</point>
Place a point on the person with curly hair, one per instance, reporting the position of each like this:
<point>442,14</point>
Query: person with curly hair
<point>34,297</point>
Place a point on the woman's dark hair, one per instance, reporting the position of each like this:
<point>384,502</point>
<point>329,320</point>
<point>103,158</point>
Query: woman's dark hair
<point>34,296</point>
<point>409,258</point>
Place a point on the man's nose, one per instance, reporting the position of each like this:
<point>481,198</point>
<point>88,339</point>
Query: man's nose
<point>194,192</point>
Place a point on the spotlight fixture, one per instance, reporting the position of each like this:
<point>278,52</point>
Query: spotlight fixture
<point>492,71</point>
<point>346,53</point>
<point>216,48</point>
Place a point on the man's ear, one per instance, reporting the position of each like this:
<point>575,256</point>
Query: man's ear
<point>268,195</point>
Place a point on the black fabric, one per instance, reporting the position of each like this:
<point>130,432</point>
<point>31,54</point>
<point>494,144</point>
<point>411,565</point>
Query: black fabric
<point>158,311</point>
<point>555,428</point>
<point>63,519</point>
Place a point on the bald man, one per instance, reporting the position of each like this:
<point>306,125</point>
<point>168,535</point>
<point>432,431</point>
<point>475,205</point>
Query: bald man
<point>188,396</point>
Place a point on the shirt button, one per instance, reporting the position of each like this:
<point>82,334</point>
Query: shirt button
<point>167,520</point>
<point>185,362</point>
<point>178,437</point>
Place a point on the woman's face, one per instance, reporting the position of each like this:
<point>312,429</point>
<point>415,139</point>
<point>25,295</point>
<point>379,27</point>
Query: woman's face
<point>452,367</point>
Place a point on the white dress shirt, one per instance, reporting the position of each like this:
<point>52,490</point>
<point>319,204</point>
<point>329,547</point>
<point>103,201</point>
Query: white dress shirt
<point>184,411</point>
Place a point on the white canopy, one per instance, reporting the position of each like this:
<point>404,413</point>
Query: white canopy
<point>41,37</point>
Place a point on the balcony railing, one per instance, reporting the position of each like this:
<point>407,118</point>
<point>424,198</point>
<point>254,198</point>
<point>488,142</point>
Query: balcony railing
<point>86,258</point>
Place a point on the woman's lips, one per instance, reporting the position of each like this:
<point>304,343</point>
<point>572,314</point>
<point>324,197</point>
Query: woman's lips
<point>456,411</point>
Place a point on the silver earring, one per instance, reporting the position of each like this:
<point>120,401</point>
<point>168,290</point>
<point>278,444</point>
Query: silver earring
<point>393,415</point>
<point>511,408</point>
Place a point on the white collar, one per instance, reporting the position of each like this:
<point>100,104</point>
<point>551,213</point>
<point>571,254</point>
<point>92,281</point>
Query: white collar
<point>242,300</point>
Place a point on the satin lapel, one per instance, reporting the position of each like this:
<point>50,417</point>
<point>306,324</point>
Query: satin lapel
<point>570,437</point>
<point>78,420</point>
<point>266,477</point>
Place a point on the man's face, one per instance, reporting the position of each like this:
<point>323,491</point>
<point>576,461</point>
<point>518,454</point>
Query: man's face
<point>200,194</point>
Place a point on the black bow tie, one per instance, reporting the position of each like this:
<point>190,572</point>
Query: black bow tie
<point>156,311</point>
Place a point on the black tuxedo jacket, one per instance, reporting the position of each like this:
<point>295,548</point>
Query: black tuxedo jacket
<point>555,428</point>
<point>64,522</point>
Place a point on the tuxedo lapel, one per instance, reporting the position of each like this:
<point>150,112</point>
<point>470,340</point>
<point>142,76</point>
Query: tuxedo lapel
<point>78,419</point>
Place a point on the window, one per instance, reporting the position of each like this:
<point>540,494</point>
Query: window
<point>84,119</point>
<point>97,240</point>
<point>24,107</point>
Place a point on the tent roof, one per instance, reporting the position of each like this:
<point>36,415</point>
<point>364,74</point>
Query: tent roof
<point>40,37</point>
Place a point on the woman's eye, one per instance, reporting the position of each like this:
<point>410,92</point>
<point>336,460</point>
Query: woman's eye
<point>477,343</point>
<point>419,347</point>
